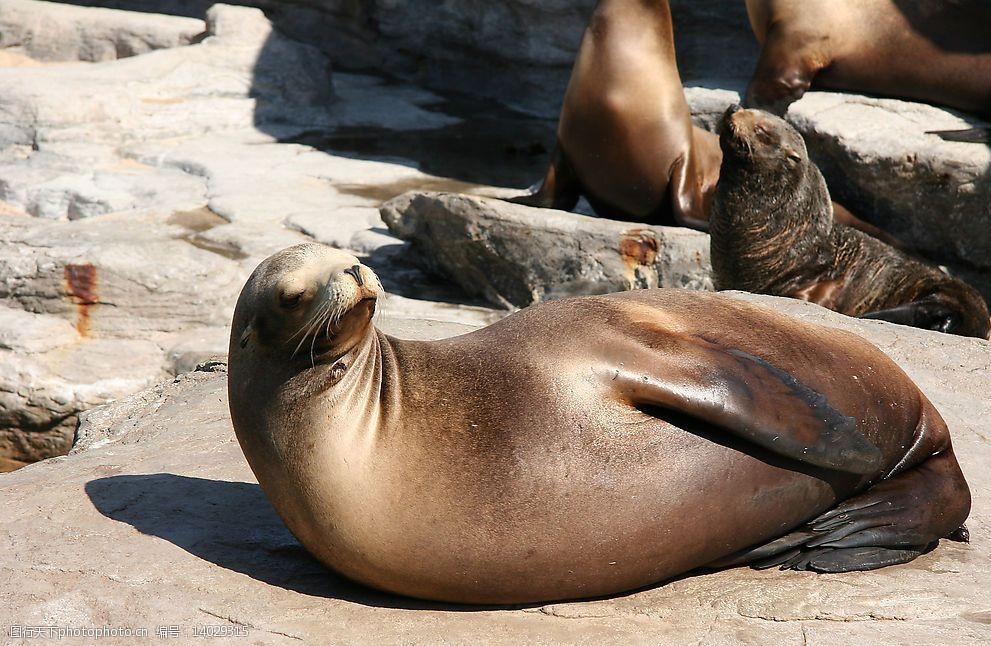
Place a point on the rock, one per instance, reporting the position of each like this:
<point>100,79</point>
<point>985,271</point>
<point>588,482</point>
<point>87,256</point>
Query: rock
<point>156,520</point>
<point>115,277</point>
<point>336,228</point>
<point>514,255</point>
<point>190,348</point>
<point>245,73</point>
<point>47,31</point>
<point>41,391</point>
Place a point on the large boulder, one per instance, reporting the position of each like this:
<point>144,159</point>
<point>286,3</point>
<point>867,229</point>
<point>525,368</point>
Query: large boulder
<point>514,255</point>
<point>48,31</point>
<point>156,520</point>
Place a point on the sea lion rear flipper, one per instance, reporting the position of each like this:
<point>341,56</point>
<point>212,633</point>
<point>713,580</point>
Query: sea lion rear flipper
<point>749,398</point>
<point>927,313</point>
<point>560,188</point>
<point>893,522</point>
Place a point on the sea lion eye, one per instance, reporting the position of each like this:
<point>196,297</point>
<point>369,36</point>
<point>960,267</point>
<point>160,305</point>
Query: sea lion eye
<point>290,301</point>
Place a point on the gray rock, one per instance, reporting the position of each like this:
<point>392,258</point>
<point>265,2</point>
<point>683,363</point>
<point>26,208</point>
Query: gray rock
<point>166,526</point>
<point>514,255</point>
<point>336,228</point>
<point>190,348</point>
<point>245,72</point>
<point>116,277</point>
<point>41,392</point>
<point>47,31</point>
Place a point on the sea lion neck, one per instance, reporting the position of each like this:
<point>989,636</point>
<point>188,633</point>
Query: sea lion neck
<point>631,17</point>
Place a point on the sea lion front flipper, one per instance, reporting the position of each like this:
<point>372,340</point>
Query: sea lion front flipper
<point>784,71</point>
<point>928,313</point>
<point>746,396</point>
<point>687,201</point>
<point>560,188</point>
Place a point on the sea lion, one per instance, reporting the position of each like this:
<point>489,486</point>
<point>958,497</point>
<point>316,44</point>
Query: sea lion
<point>937,51</point>
<point>625,138</point>
<point>579,447</point>
<point>772,232</point>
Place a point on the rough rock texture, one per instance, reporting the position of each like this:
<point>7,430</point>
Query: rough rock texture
<point>136,195</point>
<point>55,32</point>
<point>518,52</point>
<point>514,255</point>
<point>156,520</point>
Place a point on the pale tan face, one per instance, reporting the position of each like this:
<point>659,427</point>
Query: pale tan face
<point>306,303</point>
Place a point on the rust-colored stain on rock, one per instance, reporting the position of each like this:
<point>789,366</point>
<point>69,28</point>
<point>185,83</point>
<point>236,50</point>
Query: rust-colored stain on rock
<point>639,246</point>
<point>80,285</point>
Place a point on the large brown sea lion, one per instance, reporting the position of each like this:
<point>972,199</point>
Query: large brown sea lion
<point>625,138</point>
<point>938,51</point>
<point>772,232</point>
<point>579,447</point>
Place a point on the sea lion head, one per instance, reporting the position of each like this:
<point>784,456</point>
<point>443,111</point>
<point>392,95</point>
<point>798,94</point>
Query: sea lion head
<point>307,303</point>
<point>762,140</point>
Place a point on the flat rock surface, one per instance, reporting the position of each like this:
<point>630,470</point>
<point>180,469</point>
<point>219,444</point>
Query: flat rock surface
<point>136,195</point>
<point>156,521</point>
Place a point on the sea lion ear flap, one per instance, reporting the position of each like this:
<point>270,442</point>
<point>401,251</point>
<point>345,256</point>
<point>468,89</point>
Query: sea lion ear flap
<point>746,397</point>
<point>249,331</point>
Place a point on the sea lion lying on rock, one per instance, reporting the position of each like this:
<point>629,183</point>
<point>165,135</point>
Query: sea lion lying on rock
<point>772,232</point>
<point>580,447</point>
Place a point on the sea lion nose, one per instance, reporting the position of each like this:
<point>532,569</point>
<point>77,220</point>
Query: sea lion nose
<point>730,111</point>
<point>356,272</point>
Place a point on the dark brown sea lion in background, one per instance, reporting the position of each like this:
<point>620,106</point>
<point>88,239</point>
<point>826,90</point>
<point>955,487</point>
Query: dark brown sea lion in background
<point>772,232</point>
<point>937,51</point>
<point>625,138</point>
<point>580,447</point>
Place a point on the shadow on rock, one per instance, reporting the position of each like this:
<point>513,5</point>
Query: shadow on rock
<point>232,524</point>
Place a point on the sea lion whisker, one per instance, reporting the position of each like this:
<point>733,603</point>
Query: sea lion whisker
<point>305,325</point>
<point>310,326</point>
